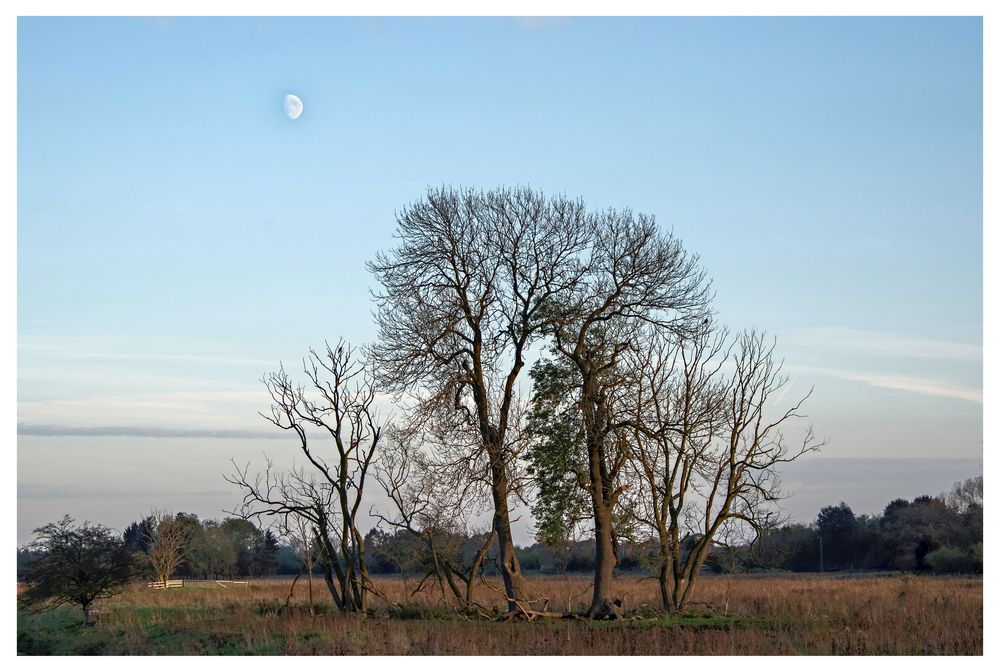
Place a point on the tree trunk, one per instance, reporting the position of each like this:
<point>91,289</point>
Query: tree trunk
<point>476,564</point>
<point>86,614</point>
<point>664,578</point>
<point>510,567</point>
<point>309,569</point>
<point>605,559</point>
<point>602,605</point>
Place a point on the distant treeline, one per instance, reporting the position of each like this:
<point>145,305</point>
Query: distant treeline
<point>942,534</point>
<point>209,549</point>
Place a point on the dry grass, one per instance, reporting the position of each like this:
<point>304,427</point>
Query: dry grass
<point>787,614</point>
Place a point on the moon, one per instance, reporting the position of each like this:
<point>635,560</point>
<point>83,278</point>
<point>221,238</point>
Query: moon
<point>293,106</point>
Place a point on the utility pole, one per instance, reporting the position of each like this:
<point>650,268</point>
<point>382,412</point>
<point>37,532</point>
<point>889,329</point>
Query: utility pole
<point>821,554</point>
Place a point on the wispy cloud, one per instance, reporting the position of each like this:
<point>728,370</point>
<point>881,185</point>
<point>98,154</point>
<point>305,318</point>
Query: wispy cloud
<point>25,429</point>
<point>71,353</point>
<point>542,22</point>
<point>926,386</point>
<point>884,344</point>
<point>47,492</point>
<point>204,408</point>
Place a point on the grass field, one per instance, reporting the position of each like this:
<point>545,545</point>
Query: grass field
<point>785,614</point>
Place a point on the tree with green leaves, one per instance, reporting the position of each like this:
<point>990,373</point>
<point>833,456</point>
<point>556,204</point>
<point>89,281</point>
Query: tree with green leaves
<point>557,459</point>
<point>75,565</point>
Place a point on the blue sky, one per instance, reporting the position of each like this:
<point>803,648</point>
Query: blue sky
<point>178,235</point>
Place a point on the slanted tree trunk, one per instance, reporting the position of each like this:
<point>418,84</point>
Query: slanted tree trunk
<point>510,566</point>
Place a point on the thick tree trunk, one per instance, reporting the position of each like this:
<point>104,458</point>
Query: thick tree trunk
<point>602,605</point>
<point>510,567</point>
<point>86,614</point>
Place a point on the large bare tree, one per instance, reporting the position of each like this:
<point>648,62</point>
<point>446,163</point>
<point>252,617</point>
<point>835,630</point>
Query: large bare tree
<point>463,296</point>
<point>338,404</point>
<point>634,277</point>
<point>707,446</point>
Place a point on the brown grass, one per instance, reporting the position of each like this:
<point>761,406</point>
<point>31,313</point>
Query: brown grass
<point>787,614</point>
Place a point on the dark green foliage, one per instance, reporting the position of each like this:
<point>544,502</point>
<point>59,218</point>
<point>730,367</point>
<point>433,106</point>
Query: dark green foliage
<point>947,560</point>
<point>793,547</point>
<point>941,534</point>
<point>838,527</point>
<point>557,460</point>
<point>531,561</point>
<point>137,535</point>
<point>288,561</point>
<point>381,552</point>
<point>75,565</point>
<point>910,532</point>
<point>264,556</point>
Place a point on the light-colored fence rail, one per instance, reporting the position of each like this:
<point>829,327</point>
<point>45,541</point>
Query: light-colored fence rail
<point>227,584</point>
<point>162,585</point>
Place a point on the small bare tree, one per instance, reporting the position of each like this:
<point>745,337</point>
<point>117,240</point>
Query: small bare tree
<point>433,501</point>
<point>339,402</point>
<point>168,541</point>
<point>707,447</point>
<point>300,534</point>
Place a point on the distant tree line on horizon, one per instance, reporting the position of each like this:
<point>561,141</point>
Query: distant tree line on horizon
<point>942,534</point>
<point>168,546</point>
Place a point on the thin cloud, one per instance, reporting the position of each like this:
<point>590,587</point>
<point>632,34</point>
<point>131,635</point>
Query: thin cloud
<point>24,429</point>
<point>41,491</point>
<point>57,351</point>
<point>541,22</point>
<point>885,344</point>
<point>925,386</point>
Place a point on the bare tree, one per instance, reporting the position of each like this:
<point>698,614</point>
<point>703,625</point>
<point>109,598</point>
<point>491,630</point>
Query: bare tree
<point>463,297</point>
<point>966,495</point>
<point>634,276</point>
<point>339,402</point>
<point>168,543</point>
<point>707,448</point>
<point>433,502</point>
<point>300,534</point>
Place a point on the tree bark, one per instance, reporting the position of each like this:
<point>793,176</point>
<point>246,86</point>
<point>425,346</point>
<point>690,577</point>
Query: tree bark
<point>664,576</point>
<point>510,567</point>
<point>604,561</point>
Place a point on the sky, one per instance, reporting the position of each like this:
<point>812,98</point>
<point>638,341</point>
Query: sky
<point>179,236</point>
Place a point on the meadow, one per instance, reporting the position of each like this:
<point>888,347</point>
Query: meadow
<point>797,614</point>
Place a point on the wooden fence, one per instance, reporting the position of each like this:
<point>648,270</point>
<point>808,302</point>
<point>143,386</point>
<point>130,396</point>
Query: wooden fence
<point>170,583</point>
<point>227,584</point>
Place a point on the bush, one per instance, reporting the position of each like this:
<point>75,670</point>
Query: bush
<point>949,560</point>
